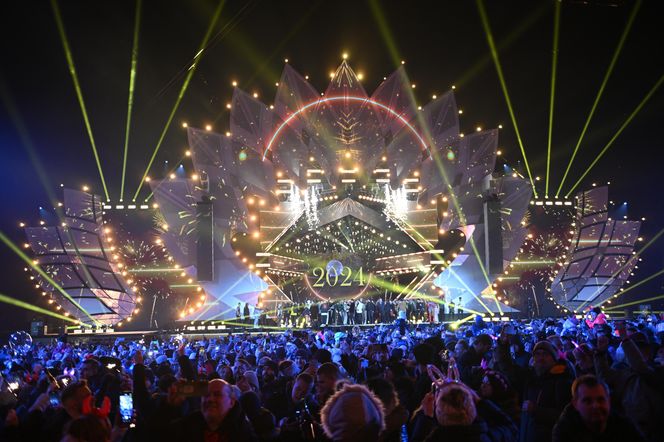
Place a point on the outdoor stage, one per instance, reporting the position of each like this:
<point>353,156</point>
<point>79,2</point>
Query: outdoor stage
<point>331,198</point>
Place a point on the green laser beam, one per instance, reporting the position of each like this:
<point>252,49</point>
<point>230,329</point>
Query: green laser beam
<point>24,305</point>
<point>383,26</point>
<point>130,100</point>
<point>503,85</point>
<point>43,274</point>
<point>457,323</point>
<point>617,134</point>
<point>554,64</point>
<point>168,174</point>
<point>478,298</point>
<point>384,29</point>
<point>77,87</point>
<point>616,53</point>
<point>640,301</point>
<point>643,281</point>
<point>515,33</point>
<point>183,89</point>
<point>26,141</point>
<point>220,35</point>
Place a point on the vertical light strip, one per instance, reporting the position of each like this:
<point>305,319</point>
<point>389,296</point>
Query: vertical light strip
<point>130,101</point>
<point>616,53</point>
<point>615,136</point>
<point>503,85</point>
<point>554,65</point>
<point>183,89</point>
<point>77,87</point>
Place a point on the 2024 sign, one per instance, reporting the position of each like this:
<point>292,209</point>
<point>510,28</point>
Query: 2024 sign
<point>346,278</point>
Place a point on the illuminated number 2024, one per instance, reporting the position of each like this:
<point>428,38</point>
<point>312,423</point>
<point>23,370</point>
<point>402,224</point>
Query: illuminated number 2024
<point>344,279</point>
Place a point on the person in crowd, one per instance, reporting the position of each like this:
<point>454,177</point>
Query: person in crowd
<point>544,387</point>
<point>353,414</point>
<point>220,418</point>
<point>246,315</point>
<point>455,412</point>
<point>638,386</point>
<point>327,376</point>
<point>588,417</point>
<point>595,317</point>
<point>299,422</point>
<point>213,388</point>
<point>88,428</point>
<point>471,361</point>
<point>496,388</point>
<point>396,415</point>
<point>371,311</point>
<point>262,420</point>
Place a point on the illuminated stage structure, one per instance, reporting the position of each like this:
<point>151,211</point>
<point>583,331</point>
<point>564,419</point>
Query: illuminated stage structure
<point>341,195</point>
<point>336,196</point>
<point>77,256</point>
<point>600,257</point>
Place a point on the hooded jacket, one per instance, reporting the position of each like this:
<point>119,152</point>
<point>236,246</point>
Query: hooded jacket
<point>570,427</point>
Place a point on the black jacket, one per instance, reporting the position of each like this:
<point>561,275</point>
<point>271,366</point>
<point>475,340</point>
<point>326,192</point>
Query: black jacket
<point>570,428</point>
<point>235,428</point>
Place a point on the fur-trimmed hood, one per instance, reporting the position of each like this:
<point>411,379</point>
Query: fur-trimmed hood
<point>353,413</point>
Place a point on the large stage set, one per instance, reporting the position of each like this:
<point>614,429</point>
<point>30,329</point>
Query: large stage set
<point>331,196</point>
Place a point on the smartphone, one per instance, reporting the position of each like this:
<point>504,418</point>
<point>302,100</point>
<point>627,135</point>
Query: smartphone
<point>54,398</point>
<point>192,388</point>
<point>126,407</point>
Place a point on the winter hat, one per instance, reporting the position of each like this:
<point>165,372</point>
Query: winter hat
<point>353,413</point>
<point>287,368</point>
<point>548,347</point>
<point>251,377</point>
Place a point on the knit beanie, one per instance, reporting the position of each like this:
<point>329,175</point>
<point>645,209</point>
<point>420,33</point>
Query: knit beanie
<point>548,347</point>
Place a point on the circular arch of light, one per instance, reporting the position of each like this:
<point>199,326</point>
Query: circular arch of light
<point>276,133</point>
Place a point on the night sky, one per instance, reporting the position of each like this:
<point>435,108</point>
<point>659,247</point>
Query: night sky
<point>442,42</point>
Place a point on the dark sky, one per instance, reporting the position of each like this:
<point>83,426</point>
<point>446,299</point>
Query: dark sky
<point>443,43</point>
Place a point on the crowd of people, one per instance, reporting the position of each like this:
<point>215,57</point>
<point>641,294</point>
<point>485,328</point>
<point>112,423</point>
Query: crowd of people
<point>559,379</point>
<point>359,311</point>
